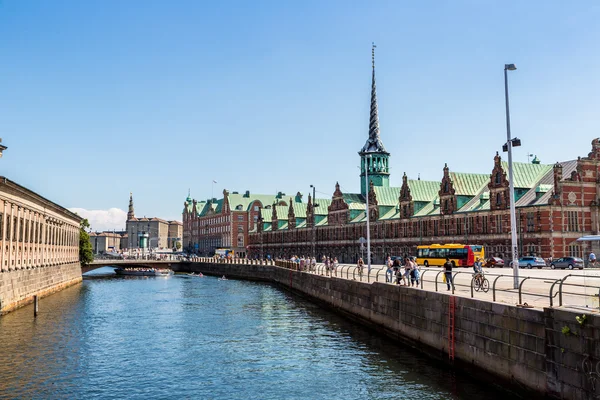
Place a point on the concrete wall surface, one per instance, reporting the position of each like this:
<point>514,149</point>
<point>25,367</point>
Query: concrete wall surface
<point>18,287</point>
<point>525,348</point>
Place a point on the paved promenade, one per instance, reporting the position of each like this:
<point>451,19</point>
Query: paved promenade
<point>538,287</point>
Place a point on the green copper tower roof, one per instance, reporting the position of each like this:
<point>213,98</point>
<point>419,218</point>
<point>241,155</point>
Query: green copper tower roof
<point>374,158</point>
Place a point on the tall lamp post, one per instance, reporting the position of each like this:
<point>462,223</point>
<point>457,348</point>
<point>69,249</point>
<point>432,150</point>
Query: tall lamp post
<point>367,158</point>
<point>314,236</point>
<point>510,143</point>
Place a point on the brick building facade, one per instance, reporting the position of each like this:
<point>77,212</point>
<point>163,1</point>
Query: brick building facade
<point>555,205</point>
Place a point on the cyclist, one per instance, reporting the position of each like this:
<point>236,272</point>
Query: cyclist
<point>479,279</point>
<point>477,267</point>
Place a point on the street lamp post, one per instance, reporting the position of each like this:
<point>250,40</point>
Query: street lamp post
<point>509,145</point>
<point>367,157</point>
<point>314,236</point>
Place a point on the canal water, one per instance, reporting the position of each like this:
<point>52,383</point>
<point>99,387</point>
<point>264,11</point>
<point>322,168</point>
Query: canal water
<point>203,338</point>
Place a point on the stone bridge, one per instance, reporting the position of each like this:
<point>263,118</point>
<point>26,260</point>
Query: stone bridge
<point>129,263</point>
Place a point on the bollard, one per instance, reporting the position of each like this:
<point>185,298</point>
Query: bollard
<point>35,305</point>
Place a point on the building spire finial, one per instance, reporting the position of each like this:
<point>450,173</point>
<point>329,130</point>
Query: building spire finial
<point>373,54</point>
<point>130,213</point>
<point>374,144</point>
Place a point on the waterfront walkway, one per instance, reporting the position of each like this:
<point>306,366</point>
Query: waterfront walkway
<point>537,287</point>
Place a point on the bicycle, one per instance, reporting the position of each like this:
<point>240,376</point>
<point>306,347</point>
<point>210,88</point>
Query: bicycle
<point>480,282</point>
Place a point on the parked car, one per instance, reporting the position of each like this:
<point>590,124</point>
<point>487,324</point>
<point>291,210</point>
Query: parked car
<point>567,262</point>
<point>494,262</point>
<point>530,262</point>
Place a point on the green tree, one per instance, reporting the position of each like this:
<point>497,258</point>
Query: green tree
<point>86,254</point>
<point>178,245</point>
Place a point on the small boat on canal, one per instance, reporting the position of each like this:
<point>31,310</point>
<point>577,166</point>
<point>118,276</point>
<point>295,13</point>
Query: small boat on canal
<point>144,271</point>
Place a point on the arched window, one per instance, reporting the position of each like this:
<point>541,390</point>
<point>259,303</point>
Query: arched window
<point>446,205</point>
<point>498,178</point>
<point>498,199</point>
<point>446,187</point>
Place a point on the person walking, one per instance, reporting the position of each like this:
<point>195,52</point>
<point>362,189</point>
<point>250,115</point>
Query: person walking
<point>407,269</point>
<point>448,273</point>
<point>360,265</point>
<point>414,272</point>
<point>389,272</point>
<point>592,259</point>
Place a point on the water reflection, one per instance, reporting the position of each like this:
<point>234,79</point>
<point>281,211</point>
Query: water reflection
<point>187,337</point>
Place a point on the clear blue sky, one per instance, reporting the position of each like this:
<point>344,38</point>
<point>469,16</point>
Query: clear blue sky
<point>100,98</point>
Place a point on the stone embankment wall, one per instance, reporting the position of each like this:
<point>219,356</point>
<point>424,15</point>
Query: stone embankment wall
<point>17,287</point>
<point>524,347</point>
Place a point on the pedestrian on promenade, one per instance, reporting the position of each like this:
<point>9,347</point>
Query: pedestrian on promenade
<point>448,273</point>
<point>335,265</point>
<point>313,264</point>
<point>389,272</point>
<point>592,259</point>
<point>396,269</point>
<point>360,265</point>
<point>407,269</point>
<point>414,272</point>
<point>327,265</point>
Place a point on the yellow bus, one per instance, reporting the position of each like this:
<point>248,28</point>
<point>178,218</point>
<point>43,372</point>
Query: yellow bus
<point>461,255</point>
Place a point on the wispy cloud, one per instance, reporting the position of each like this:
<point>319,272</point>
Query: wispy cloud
<point>100,220</point>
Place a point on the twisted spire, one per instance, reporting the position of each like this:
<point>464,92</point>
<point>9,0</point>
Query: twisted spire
<point>373,144</point>
<point>130,213</point>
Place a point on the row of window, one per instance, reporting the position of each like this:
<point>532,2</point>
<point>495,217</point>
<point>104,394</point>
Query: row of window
<point>445,227</point>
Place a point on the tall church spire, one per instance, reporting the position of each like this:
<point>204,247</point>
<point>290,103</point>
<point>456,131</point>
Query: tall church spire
<point>130,213</point>
<point>373,144</point>
<point>374,158</point>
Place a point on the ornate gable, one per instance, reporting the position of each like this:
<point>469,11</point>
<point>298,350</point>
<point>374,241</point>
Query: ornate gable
<point>310,213</point>
<point>274,224</point>
<point>338,210</point>
<point>225,209</point>
<point>291,216</point>
<point>447,193</point>
<point>558,171</point>
<point>259,221</point>
<point>499,186</point>
<point>407,206</point>
<point>373,209</point>
<point>595,153</point>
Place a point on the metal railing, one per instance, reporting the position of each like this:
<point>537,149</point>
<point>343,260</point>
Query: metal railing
<point>568,286</point>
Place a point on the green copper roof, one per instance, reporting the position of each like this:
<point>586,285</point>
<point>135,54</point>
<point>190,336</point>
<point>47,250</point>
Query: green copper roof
<point>356,206</point>
<point>322,222</point>
<point>426,210</point>
<point>359,218</point>
<point>350,198</point>
<point>468,184</point>
<point>423,190</point>
<point>387,196</point>
<point>391,214</point>
<point>322,206</point>
<point>526,175</point>
<point>267,214</point>
<point>236,199</point>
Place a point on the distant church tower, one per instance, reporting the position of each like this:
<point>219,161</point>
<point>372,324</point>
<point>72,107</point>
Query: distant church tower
<point>130,213</point>
<point>373,156</point>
